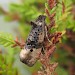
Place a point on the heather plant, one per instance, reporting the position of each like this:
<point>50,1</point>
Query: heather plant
<point>59,20</point>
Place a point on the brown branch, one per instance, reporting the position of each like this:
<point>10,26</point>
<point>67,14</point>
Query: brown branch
<point>20,44</point>
<point>51,3</point>
<point>51,18</point>
<point>63,7</point>
<point>47,67</point>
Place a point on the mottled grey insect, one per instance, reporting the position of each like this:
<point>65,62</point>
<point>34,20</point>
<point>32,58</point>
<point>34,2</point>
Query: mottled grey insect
<point>34,42</point>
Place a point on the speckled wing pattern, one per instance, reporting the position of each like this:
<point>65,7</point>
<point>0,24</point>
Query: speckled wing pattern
<point>34,42</point>
<point>37,34</point>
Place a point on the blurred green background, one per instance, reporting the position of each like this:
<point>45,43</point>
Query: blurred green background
<point>15,17</point>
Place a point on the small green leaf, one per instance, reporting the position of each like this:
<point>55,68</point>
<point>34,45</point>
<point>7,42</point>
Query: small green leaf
<point>6,39</point>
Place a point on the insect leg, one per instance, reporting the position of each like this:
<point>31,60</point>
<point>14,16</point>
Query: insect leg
<point>46,33</point>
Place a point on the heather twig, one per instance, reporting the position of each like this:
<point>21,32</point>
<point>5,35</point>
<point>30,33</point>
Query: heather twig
<point>49,48</point>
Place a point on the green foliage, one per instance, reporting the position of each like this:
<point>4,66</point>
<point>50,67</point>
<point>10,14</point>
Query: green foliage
<point>61,71</point>
<point>64,20</point>
<point>6,39</point>
<point>24,30</point>
<point>28,10</point>
<point>7,62</point>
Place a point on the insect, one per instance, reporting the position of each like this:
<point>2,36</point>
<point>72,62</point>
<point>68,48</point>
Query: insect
<point>34,42</point>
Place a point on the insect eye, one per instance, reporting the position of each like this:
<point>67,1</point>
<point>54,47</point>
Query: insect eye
<point>31,50</point>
